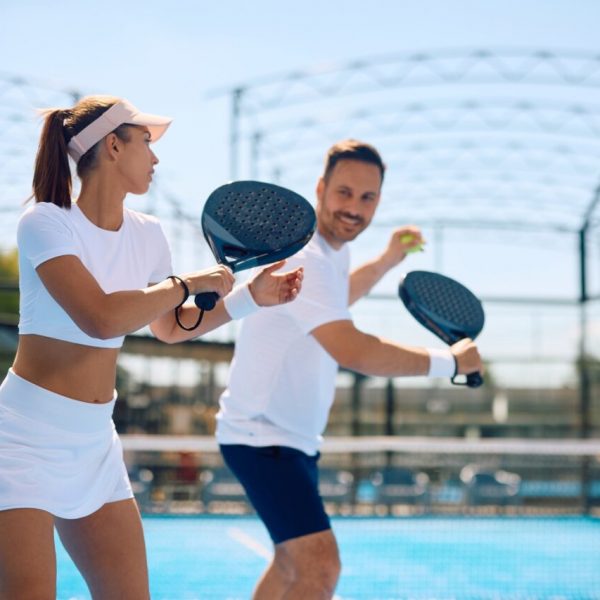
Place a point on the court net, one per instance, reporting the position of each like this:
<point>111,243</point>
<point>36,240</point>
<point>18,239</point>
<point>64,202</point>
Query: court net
<point>415,518</point>
<point>378,476</point>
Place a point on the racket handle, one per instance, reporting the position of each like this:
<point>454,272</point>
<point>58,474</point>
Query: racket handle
<point>206,300</point>
<point>473,380</point>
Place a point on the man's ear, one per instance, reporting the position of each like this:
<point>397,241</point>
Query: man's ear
<point>320,191</point>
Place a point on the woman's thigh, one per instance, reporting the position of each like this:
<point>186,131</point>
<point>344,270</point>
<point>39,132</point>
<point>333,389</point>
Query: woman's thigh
<point>109,550</point>
<point>27,555</point>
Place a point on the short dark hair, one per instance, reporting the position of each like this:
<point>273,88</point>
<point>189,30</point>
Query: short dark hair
<point>352,150</point>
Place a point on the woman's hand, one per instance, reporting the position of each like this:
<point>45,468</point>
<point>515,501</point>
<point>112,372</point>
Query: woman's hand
<point>217,279</point>
<point>269,288</point>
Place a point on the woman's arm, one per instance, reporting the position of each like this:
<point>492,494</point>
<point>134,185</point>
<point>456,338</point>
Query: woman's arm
<point>105,316</point>
<point>267,288</point>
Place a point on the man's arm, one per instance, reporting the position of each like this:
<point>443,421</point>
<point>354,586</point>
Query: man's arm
<point>372,355</point>
<point>366,276</point>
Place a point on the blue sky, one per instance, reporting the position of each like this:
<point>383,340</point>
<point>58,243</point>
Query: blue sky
<point>169,57</point>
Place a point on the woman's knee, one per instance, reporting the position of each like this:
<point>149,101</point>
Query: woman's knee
<point>26,586</point>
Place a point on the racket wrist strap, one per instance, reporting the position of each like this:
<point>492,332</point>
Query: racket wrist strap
<point>186,290</point>
<point>442,363</point>
<point>186,295</point>
<point>239,303</point>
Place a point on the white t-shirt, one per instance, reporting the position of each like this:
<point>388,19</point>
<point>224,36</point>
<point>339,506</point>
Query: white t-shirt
<point>128,259</point>
<point>282,382</point>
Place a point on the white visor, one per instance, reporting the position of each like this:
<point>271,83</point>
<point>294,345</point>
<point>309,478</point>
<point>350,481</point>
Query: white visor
<point>118,114</point>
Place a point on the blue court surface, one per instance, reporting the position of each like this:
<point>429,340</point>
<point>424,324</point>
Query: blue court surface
<point>419,558</point>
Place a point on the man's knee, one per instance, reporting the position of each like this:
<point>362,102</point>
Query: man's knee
<point>283,567</point>
<point>316,561</point>
<point>324,574</point>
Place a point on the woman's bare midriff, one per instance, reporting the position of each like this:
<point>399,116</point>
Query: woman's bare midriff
<point>83,373</point>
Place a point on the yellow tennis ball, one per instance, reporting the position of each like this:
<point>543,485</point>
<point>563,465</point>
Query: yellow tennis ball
<point>405,238</point>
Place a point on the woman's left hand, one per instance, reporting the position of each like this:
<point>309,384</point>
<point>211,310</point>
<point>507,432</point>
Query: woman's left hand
<point>269,288</point>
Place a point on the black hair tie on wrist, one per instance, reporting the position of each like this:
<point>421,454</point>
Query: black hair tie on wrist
<point>186,295</point>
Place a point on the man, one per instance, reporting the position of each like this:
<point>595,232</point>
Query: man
<point>282,378</point>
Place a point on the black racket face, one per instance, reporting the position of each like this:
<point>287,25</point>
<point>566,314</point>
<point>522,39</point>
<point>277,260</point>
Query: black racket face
<point>249,223</point>
<point>444,306</point>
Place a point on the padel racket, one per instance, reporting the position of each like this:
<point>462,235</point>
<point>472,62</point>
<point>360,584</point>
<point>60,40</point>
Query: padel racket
<point>444,307</point>
<point>251,223</point>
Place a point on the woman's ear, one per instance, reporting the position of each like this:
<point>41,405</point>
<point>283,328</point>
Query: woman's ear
<point>112,146</point>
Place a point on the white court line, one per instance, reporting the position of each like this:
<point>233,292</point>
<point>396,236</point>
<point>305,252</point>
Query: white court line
<point>243,538</point>
<point>235,533</point>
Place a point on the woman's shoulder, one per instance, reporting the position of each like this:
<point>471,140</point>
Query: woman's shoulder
<point>43,212</point>
<point>143,226</point>
<point>140,218</point>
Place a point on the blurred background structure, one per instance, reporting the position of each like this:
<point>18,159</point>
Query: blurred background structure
<point>491,151</point>
<point>502,177</point>
<point>489,122</point>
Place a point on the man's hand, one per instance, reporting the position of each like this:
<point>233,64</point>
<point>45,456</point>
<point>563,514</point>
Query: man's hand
<point>467,357</point>
<point>269,288</point>
<point>403,241</point>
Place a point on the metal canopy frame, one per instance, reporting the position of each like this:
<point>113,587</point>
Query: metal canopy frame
<point>506,130</point>
<point>539,109</point>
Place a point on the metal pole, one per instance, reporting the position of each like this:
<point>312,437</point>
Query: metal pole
<point>583,294</point>
<point>356,402</point>
<point>356,405</point>
<point>389,407</point>
<point>234,140</point>
<point>389,416</point>
<point>585,390</point>
<point>438,241</point>
<point>584,379</point>
<point>255,154</point>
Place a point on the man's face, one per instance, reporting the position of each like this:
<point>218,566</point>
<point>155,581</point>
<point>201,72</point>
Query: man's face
<point>346,203</point>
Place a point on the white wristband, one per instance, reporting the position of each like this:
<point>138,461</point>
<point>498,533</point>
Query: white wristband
<point>441,363</point>
<point>239,303</point>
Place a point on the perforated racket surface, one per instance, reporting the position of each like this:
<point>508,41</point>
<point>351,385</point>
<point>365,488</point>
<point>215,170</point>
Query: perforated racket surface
<point>252,223</point>
<point>445,307</point>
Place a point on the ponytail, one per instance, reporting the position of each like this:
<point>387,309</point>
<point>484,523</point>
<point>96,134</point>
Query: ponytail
<point>52,174</point>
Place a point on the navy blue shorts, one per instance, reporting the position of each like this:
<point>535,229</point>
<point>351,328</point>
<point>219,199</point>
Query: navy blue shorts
<point>283,486</point>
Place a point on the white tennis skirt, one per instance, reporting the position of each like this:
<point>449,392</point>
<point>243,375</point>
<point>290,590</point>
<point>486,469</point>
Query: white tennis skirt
<point>58,454</point>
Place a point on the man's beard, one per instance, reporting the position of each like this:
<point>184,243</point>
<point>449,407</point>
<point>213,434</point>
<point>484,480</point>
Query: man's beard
<point>340,222</point>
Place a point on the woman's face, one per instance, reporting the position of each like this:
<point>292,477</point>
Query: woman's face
<point>137,162</point>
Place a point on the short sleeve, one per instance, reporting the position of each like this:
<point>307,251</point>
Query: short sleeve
<point>323,297</point>
<point>44,233</point>
<point>162,266</point>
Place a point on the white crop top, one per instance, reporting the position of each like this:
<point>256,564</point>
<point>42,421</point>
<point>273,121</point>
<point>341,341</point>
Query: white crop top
<point>128,259</point>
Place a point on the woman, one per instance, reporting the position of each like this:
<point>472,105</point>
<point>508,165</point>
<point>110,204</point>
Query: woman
<point>90,272</point>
